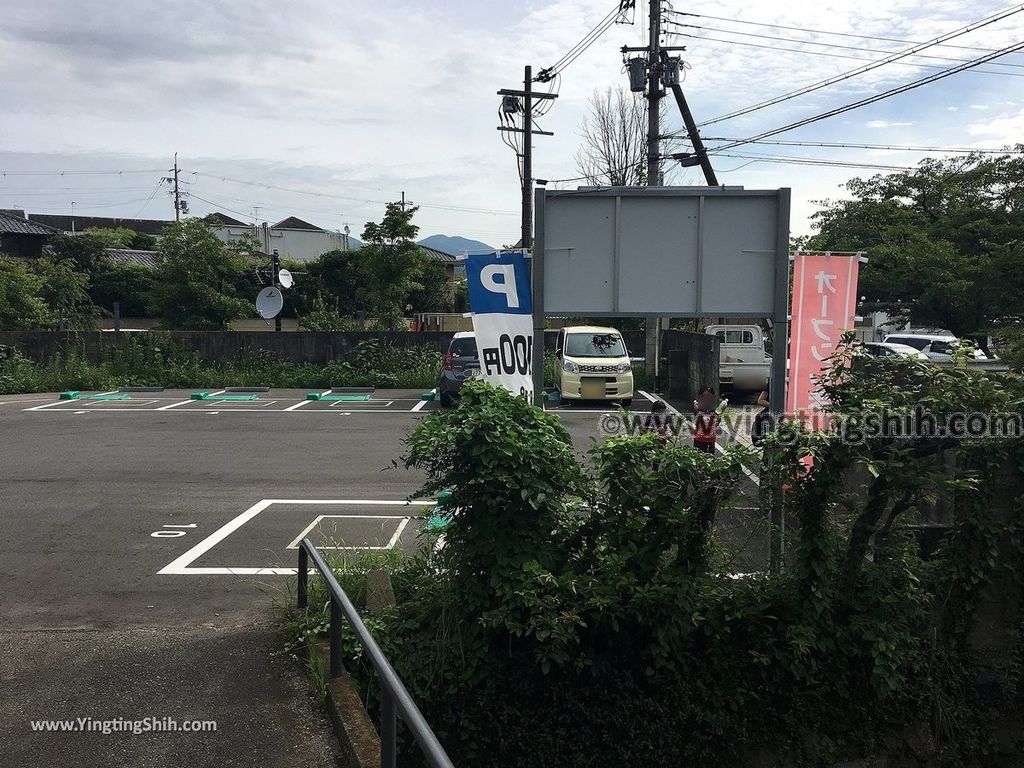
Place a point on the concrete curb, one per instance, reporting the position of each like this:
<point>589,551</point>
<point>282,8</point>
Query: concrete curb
<point>358,740</point>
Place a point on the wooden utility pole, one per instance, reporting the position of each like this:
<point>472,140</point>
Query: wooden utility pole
<point>654,95</point>
<point>510,105</point>
<point>177,192</point>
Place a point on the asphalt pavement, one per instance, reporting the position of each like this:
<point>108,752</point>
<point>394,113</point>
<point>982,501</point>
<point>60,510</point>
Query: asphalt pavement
<point>145,548</point>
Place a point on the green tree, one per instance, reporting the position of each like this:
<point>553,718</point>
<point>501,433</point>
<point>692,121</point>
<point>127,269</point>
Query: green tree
<point>197,284</point>
<point>128,284</point>
<point>434,293</point>
<point>944,241</point>
<point>84,252</point>
<point>21,306</point>
<point>336,278</point>
<point>66,291</point>
<point>392,265</point>
<point>112,237</point>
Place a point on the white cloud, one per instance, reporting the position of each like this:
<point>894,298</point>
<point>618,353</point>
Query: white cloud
<point>362,101</point>
<point>1007,129</point>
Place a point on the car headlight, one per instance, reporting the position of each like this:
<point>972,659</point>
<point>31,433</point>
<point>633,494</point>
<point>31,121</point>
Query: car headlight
<point>623,368</point>
<point>570,366</point>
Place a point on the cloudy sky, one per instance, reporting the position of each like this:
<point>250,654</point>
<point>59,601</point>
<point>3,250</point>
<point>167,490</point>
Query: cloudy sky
<point>324,110</point>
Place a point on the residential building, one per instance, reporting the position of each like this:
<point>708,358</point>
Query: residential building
<point>293,238</point>
<point>22,238</point>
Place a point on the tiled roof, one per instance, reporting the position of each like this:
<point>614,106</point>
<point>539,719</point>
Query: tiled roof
<point>224,220</point>
<point>13,225</point>
<point>293,222</point>
<point>437,255</point>
<point>82,223</point>
<point>15,212</point>
<point>149,259</point>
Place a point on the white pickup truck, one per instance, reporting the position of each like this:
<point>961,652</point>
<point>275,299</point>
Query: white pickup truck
<point>743,362</point>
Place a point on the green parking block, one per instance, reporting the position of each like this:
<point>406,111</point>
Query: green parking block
<point>431,396</point>
<point>70,395</point>
<point>114,396</point>
<point>332,398</point>
<point>199,396</point>
<point>439,518</point>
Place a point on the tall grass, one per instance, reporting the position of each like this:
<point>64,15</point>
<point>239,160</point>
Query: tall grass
<point>152,360</point>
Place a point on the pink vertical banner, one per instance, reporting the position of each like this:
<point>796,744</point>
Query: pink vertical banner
<point>824,305</point>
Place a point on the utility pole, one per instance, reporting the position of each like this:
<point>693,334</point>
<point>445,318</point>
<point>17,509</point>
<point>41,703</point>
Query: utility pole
<point>403,201</point>
<point>275,267</point>
<point>177,192</point>
<point>654,95</point>
<point>526,234</point>
<point>510,105</point>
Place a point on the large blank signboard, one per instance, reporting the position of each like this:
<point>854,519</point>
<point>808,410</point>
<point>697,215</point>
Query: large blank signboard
<point>667,251</point>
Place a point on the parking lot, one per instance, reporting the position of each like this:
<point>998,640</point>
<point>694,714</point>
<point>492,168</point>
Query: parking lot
<point>159,523</point>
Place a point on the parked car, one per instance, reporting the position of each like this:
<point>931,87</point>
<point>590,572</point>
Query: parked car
<point>461,363</point>
<point>889,349</point>
<point>593,364</point>
<point>743,362</point>
<point>934,346</point>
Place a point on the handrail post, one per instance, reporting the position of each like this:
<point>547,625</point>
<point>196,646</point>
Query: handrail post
<point>303,575</point>
<point>388,729</point>
<point>336,667</point>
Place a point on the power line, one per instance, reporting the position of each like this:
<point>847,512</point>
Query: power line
<point>828,32</point>
<point>588,40</point>
<point>836,45</point>
<point>877,97</point>
<point>873,65</point>
<point>814,161</point>
<point>825,54</point>
<point>77,173</point>
<point>889,147</point>
<point>435,206</point>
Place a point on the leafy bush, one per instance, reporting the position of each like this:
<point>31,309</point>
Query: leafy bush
<point>579,614</point>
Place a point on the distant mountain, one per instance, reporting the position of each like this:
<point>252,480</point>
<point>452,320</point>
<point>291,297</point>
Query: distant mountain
<point>454,244</point>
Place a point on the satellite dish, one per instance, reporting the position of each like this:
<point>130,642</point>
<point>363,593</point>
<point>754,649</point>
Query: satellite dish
<point>269,303</point>
<point>284,277</point>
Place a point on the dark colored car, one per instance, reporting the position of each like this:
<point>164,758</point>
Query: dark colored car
<point>461,363</point>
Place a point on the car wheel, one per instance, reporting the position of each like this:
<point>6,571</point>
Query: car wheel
<point>446,400</point>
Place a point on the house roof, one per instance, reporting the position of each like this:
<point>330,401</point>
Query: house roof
<point>224,220</point>
<point>82,223</point>
<point>14,225</point>
<point>437,255</point>
<point>15,212</point>
<point>149,259</point>
<point>293,222</point>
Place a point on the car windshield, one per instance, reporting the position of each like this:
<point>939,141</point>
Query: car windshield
<point>464,347</point>
<point>594,345</point>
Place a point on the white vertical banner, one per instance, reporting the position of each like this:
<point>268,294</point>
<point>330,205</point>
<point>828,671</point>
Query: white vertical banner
<point>502,309</point>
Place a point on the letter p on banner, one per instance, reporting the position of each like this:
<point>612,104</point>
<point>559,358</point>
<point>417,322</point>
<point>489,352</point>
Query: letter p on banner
<point>502,309</point>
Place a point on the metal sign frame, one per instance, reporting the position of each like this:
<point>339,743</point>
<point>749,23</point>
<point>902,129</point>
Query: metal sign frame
<point>669,252</point>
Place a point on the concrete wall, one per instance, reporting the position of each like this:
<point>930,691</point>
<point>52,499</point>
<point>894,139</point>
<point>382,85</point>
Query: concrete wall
<point>299,346</point>
<point>692,363</point>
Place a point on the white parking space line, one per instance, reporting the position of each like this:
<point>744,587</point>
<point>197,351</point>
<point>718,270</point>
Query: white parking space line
<point>403,521</point>
<point>48,405</point>
<point>648,396</point>
<point>182,565</point>
<point>298,405</point>
<point>173,405</point>
<point>419,406</point>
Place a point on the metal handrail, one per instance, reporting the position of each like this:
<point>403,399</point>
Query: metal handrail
<point>394,698</point>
